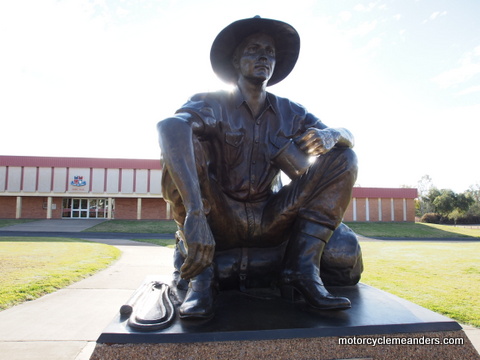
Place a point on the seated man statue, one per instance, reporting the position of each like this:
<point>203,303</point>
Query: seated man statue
<point>222,155</point>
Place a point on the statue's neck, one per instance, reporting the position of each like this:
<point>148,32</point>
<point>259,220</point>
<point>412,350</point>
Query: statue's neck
<point>254,94</point>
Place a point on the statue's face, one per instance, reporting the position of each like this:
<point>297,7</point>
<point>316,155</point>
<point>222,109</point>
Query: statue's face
<point>255,58</point>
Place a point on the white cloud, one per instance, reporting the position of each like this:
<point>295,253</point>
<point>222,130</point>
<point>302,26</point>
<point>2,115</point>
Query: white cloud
<point>364,28</point>
<point>345,15</point>
<point>468,68</point>
<point>366,8</point>
<point>435,15</point>
<point>469,90</point>
<point>360,8</point>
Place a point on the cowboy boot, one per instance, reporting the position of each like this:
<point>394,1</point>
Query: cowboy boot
<point>199,301</point>
<point>178,260</point>
<point>301,272</point>
<point>179,255</point>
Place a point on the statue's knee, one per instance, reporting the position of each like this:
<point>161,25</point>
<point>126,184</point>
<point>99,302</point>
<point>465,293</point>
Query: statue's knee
<point>350,160</point>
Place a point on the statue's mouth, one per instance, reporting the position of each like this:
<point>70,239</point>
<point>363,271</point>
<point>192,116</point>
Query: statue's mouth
<point>262,66</point>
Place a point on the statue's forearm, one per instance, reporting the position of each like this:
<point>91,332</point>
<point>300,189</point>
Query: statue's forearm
<point>175,138</point>
<point>345,138</point>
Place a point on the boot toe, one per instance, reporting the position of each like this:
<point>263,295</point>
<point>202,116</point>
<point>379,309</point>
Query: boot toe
<point>195,310</point>
<point>197,304</point>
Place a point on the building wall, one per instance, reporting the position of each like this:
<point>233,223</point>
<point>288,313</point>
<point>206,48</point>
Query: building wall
<point>385,210</point>
<point>121,177</point>
<point>125,209</point>
<point>154,209</point>
<point>151,209</point>
<point>28,183</point>
<point>135,187</point>
<point>32,208</point>
<point>7,207</point>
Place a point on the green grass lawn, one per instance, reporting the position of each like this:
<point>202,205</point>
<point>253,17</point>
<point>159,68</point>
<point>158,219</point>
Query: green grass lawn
<point>369,229</point>
<point>32,267</point>
<point>412,230</point>
<point>443,277</point>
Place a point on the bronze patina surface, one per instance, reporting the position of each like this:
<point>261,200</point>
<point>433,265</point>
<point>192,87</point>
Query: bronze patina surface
<point>223,153</point>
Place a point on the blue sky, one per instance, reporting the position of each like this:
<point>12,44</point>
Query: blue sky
<point>92,78</point>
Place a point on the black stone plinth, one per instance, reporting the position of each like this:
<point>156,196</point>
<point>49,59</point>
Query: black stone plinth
<point>264,315</point>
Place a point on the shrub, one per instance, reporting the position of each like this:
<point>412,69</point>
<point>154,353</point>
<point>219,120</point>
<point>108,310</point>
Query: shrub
<point>469,219</point>
<point>430,218</point>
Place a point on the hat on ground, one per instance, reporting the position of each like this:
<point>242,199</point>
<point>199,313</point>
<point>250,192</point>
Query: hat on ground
<point>287,47</point>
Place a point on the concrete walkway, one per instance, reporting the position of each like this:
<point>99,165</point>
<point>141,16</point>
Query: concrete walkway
<point>66,324</point>
<point>56,225</point>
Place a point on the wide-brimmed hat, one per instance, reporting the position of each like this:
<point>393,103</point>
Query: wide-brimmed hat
<point>287,47</point>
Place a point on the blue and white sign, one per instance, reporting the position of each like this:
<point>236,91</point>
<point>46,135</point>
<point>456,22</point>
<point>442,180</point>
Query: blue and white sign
<point>78,181</point>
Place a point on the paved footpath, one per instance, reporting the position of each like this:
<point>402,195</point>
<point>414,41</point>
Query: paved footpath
<point>65,325</point>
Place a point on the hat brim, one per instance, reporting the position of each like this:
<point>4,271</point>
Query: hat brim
<point>287,47</point>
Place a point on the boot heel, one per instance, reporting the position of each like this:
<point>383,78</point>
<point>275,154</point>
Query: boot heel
<point>288,292</point>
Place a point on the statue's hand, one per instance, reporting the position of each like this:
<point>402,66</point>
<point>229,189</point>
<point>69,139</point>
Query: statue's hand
<point>200,245</point>
<point>317,142</point>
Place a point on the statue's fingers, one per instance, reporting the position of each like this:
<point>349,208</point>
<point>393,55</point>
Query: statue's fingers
<point>308,144</point>
<point>208,254</point>
<point>191,266</point>
<point>303,137</point>
<point>191,271</point>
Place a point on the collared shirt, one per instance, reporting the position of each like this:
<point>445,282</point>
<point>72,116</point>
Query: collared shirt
<point>240,146</point>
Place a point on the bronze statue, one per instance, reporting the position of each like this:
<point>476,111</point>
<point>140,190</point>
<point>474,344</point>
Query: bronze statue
<point>222,156</point>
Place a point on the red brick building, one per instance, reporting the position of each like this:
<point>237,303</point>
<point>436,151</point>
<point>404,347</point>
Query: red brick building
<point>60,187</point>
<point>382,204</point>
<point>54,188</point>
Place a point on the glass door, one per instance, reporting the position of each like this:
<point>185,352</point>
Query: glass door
<point>79,208</point>
<point>86,208</point>
<point>98,208</point>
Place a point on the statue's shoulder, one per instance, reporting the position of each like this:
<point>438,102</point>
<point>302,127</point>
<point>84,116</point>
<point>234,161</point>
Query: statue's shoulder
<point>284,104</point>
<point>209,97</point>
<point>203,102</point>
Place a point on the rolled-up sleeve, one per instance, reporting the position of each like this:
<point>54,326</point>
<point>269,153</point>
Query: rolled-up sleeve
<point>311,121</point>
<point>204,117</point>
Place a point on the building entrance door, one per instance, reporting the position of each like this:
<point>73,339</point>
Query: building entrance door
<point>85,208</point>
<point>97,208</point>
<point>79,208</point>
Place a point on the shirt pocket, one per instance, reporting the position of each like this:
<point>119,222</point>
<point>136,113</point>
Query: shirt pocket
<point>234,141</point>
<point>234,138</point>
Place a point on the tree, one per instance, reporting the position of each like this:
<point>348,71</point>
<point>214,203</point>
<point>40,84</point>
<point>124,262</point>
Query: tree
<point>445,202</point>
<point>474,192</point>
<point>424,185</point>
<point>447,205</point>
<point>428,199</point>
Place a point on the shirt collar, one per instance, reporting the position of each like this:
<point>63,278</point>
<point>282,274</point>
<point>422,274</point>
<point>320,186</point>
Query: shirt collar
<point>239,99</point>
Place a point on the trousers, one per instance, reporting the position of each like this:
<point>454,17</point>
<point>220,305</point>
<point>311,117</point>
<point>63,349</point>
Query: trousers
<point>318,199</point>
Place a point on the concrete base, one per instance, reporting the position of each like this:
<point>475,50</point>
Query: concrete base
<point>261,325</point>
<point>296,349</point>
